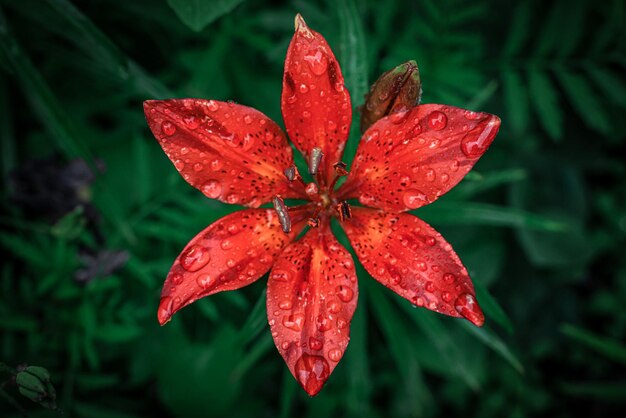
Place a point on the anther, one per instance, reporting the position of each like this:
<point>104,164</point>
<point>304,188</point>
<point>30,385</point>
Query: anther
<point>340,171</point>
<point>313,222</point>
<point>340,168</point>
<point>291,173</point>
<point>311,189</point>
<point>283,214</point>
<point>343,210</point>
<point>314,160</point>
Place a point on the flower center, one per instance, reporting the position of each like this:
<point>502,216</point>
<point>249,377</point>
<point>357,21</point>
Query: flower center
<point>324,203</point>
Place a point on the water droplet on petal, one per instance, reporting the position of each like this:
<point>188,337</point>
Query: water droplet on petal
<point>317,62</point>
<point>247,119</point>
<point>449,277</point>
<point>323,323</point>
<point>334,306</point>
<point>205,281</point>
<point>294,322</point>
<point>345,293</point>
<point>280,275</point>
<point>191,121</point>
<point>315,344</point>
<point>177,279</point>
<point>399,116</point>
<point>212,105</point>
<point>194,258</point>
<point>285,304</point>
<point>217,164</point>
<point>446,296</point>
<point>331,125</point>
<point>197,167</point>
<point>226,244</point>
<point>164,312</point>
<point>335,354</point>
<point>430,287</point>
<point>476,141</point>
<point>303,88</point>
<point>467,306</point>
<point>168,128</point>
<point>212,189</point>
<point>414,199</point>
<point>311,372</point>
<point>437,120</point>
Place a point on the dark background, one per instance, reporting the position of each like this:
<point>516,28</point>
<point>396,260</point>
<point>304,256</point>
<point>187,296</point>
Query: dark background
<point>92,213</point>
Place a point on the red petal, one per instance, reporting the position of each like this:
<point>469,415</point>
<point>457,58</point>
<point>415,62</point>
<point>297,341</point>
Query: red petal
<point>408,256</point>
<point>229,152</point>
<point>311,297</point>
<point>315,103</point>
<point>409,159</point>
<point>231,253</point>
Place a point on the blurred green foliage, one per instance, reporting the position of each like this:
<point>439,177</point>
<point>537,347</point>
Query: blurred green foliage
<point>540,223</point>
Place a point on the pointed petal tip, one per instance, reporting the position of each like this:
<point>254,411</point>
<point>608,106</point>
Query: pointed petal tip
<point>467,306</point>
<point>312,371</point>
<point>301,26</point>
<point>164,313</point>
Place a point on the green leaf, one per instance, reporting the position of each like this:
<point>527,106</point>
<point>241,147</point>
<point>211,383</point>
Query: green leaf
<point>198,14</point>
<point>439,336</point>
<point>491,307</point>
<point>476,183</point>
<point>518,31</point>
<point>353,60</point>
<point>611,84</point>
<point>45,104</point>
<point>545,97</point>
<point>397,337</point>
<point>585,101</point>
<point>608,347</point>
<point>491,340</point>
<point>465,213</point>
<point>516,99</point>
<point>601,391</point>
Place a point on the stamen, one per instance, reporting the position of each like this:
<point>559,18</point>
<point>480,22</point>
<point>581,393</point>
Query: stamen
<point>340,170</point>
<point>314,160</point>
<point>283,214</point>
<point>343,210</point>
<point>293,174</point>
<point>314,220</point>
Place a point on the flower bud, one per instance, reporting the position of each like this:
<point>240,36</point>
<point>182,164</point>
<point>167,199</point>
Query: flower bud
<point>398,89</point>
<point>34,383</point>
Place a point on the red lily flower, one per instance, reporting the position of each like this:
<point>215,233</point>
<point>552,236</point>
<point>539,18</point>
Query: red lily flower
<point>237,155</point>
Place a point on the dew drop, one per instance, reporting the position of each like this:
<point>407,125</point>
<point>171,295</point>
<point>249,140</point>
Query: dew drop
<point>226,244</point>
<point>430,287</point>
<point>179,164</point>
<point>315,344</point>
<point>280,275</point>
<point>247,119</point>
<point>334,306</point>
<point>212,189</point>
<point>294,321</point>
<point>164,312</point>
<point>285,304</point>
<point>177,279</point>
<point>467,306</point>
<point>194,258</point>
<point>168,128</point>
<point>335,354</point>
<point>303,88</point>
<point>191,121</point>
<point>399,116</point>
<point>449,278</point>
<point>311,371</point>
<point>248,142</point>
<point>476,141</point>
<point>306,114</point>
<point>205,281</point>
<point>446,296</point>
<point>331,125</point>
<point>345,293</point>
<point>430,174</point>
<point>317,62</point>
<point>414,199</point>
<point>197,167</point>
<point>217,164</point>
<point>437,120</point>
<point>323,323</point>
<point>212,105</point>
